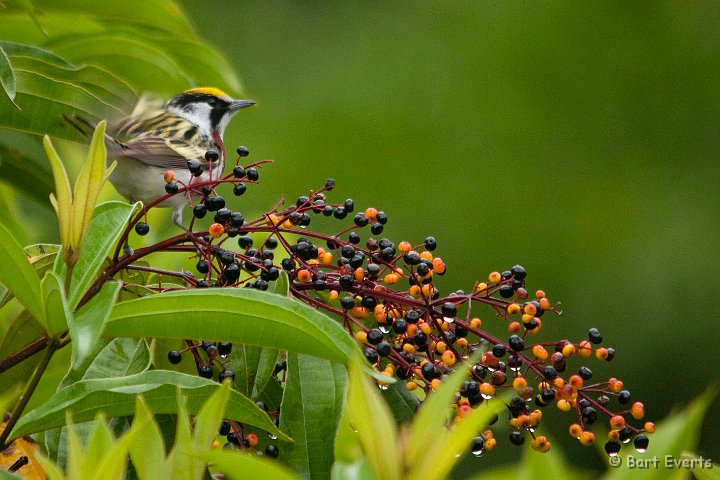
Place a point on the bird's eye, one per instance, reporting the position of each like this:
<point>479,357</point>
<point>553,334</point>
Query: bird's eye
<point>213,102</point>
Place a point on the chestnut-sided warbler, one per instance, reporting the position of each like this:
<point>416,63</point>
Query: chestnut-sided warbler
<point>158,137</point>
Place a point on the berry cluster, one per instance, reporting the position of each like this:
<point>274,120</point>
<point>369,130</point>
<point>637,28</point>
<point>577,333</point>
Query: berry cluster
<point>387,295</point>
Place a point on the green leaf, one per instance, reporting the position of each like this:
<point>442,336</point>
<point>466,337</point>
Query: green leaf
<point>237,465</point>
<point>402,402</point>
<point>57,312</point>
<point>106,228</point>
<point>370,416</point>
<point>206,424</point>
<point>241,316</point>
<point>18,276</point>
<point>310,413</point>
<point>702,468</point>
<point>41,256</point>
<point>432,417</point>
<point>99,442</point>
<point>179,463</point>
<point>62,198</point>
<point>678,433</point>
<point>264,371</point>
<point>7,76</point>
<point>116,397</point>
<point>148,452</point>
<point>23,160</point>
<point>87,324</point>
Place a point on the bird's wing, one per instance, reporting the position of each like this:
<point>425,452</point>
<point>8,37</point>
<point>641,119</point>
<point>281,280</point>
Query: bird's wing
<point>160,152</point>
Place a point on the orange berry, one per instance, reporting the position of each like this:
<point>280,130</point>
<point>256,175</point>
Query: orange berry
<point>252,439</point>
<point>435,383</point>
<point>428,290</point>
<point>519,383</point>
<point>545,304</point>
<point>563,405</point>
<point>475,323</point>
<point>559,382</point>
<point>568,350</point>
<point>539,294</point>
<point>448,358</point>
<point>637,410</point>
<point>359,274</point>
<point>575,430</point>
<point>409,348</point>
<point>333,295</point>
<point>490,444</point>
<point>441,347</point>
<point>304,275</point>
<point>359,312</point>
<point>438,265</point>
<point>576,382</point>
<point>404,246</point>
<point>216,230</point>
<point>613,435</point>
<point>287,224</point>
<point>425,328</point>
<point>584,348</point>
<point>274,219</point>
<point>540,352</point>
<point>587,438</point>
<point>513,308</point>
<point>327,258</point>
<point>169,176</point>
<point>371,213</point>
<point>380,313</point>
<point>617,386</point>
<point>481,288</point>
<point>487,389</point>
<point>530,309</point>
<point>617,422</point>
<point>649,427</point>
<point>494,277</point>
<point>540,444</point>
<point>391,278</point>
<point>514,327</point>
<point>414,291</point>
<point>361,336</point>
<point>411,385</point>
<point>464,410</point>
<point>412,329</point>
<point>601,353</point>
<point>462,342</point>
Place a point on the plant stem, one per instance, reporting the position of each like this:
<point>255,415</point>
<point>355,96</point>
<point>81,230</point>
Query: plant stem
<point>27,393</point>
<point>24,353</point>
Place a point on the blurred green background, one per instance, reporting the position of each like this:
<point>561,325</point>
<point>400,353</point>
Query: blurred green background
<point>579,139</point>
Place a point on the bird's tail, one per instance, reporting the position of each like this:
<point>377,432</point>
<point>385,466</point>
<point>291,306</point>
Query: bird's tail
<point>82,125</point>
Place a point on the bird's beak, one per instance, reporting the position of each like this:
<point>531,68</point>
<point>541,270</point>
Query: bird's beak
<point>236,105</point>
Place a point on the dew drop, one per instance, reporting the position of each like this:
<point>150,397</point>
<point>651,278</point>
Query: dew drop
<point>516,369</point>
<point>382,386</point>
<point>486,397</point>
<point>272,437</point>
<point>627,440</point>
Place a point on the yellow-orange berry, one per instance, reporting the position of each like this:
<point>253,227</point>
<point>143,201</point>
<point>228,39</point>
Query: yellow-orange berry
<point>559,382</point>
<point>304,275</point>
<point>359,312</point>
<point>448,358</point>
<point>371,214</point>
<point>540,352</point>
<point>481,288</point>
<point>409,348</point>
<point>287,224</point>
<point>575,430</point>
<point>327,258</point>
<point>617,422</point>
<point>513,308</point>
<point>576,382</point>
<point>216,230</point>
<point>587,438</point>
<point>637,410</point>
<point>617,386</point>
<point>464,410</point>
<point>649,427</point>
<point>380,313</point>
<point>494,277</point>
<point>487,389</point>
<point>435,383</point>
<point>438,265</point>
<point>427,290</point>
<point>333,295</point>
<point>462,342</point>
<point>440,347</point>
<point>613,435</point>
<point>564,405</point>
<point>584,348</point>
<point>514,327</point>
<point>539,294</point>
<point>490,444</point>
<point>252,439</point>
<point>359,274</point>
<point>601,353</point>
<point>568,350</point>
<point>425,328</point>
<point>530,309</point>
<point>404,246</point>
<point>411,385</point>
<point>414,291</point>
<point>361,336</point>
<point>540,444</point>
<point>519,383</point>
<point>475,323</point>
<point>426,255</point>
<point>412,329</point>
<point>274,219</point>
<point>169,176</point>
<point>545,304</point>
<point>391,278</point>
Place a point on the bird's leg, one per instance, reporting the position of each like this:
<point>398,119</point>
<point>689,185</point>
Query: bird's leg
<point>177,217</point>
<point>127,249</point>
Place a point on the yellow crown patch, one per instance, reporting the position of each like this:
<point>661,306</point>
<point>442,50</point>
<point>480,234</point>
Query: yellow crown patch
<point>208,91</point>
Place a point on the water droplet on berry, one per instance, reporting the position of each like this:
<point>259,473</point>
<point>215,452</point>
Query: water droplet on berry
<point>384,329</point>
<point>641,450</point>
<point>486,397</point>
<point>478,452</point>
<point>449,319</point>
<point>382,386</point>
<point>272,437</point>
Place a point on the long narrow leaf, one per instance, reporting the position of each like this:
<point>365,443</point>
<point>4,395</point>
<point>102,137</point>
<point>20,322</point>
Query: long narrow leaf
<point>7,76</point>
<point>62,198</point>
<point>18,276</point>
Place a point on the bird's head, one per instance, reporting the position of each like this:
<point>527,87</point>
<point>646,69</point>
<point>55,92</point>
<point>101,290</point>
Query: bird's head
<point>209,108</point>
